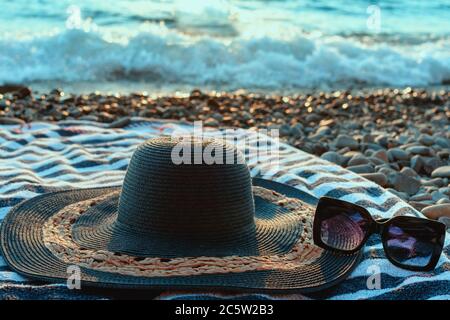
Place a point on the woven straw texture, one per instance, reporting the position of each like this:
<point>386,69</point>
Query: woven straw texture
<point>270,231</point>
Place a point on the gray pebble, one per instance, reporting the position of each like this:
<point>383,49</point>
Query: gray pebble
<point>332,157</point>
<point>410,172</point>
<point>398,154</point>
<point>378,178</point>
<point>358,160</point>
<point>381,154</point>
<point>442,142</point>
<point>431,164</point>
<point>426,139</point>
<point>436,196</point>
<point>401,195</point>
<point>421,197</point>
<point>436,182</point>
<point>445,190</point>
<point>404,183</point>
<point>297,130</point>
<point>421,150</point>
<point>376,161</point>
<point>285,130</point>
<point>382,140</point>
<point>362,168</point>
<point>344,140</point>
<point>442,172</point>
<point>416,163</point>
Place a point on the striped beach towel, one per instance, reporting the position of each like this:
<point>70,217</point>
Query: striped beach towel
<point>47,157</point>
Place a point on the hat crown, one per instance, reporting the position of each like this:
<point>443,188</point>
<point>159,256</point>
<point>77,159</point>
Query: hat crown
<point>188,188</point>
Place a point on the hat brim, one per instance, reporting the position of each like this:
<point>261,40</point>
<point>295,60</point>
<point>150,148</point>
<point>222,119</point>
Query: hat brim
<point>25,251</point>
<point>276,231</point>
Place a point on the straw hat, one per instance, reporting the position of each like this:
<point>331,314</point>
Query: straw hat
<point>175,225</point>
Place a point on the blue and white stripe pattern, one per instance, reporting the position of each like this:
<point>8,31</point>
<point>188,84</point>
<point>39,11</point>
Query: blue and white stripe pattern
<point>75,154</point>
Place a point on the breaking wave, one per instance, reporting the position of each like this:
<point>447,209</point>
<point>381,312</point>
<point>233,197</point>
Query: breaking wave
<point>168,56</point>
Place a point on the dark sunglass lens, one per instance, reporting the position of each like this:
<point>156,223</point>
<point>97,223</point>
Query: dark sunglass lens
<point>342,228</point>
<point>411,242</point>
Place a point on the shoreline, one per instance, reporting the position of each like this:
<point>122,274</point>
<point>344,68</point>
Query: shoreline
<point>126,87</point>
<point>399,139</point>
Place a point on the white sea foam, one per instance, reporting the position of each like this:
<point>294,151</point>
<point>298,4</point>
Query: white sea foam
<point>167,56</point>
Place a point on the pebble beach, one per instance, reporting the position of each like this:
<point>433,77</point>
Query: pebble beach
<point>398,138</point>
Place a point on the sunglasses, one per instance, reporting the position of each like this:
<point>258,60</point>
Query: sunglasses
<point>409,242</point>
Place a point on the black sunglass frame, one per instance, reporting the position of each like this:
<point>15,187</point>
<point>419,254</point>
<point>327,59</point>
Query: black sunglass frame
<point>380,227</point>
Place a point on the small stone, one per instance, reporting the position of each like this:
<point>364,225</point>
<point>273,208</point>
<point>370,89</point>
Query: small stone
<point>362,168</point>
<point>410,172</point>
<point>246,116</point>
<point>381,154</point>
<point>345,150</point>
<point>402,139</point>
<point>351,154</point>
<point>398,154</point>
<point>213,104</point>
<point>378,178</point>
<point>376,161</point>
<point>431,164</point>
<point>401,195</point>
<point>426,139</point>
<point>441,172</point>
<point>74,111</point>
<point>323,131</point>
<point>442,142</point>
<point>419,205</point>
<point>430,189</point>
<point>382,140</point>
<point>385,169</point>
<point>17,90</point>
<point>436,182</point>
<point>357,160</point>
<point>106,117</point>
<point>285,130</point>
<point>399,123</point>
<point>319,148</point>
<point>436,196</point>
<point>195,93</point>
<point>297,131</point>
<point>443,200</point>
<point>436,211</point>
<point>404,183</point>
<point>86,109</point>
<point>344,140</point>
<point>327,123</point>
<point>89,117</point>
<point>444,154</point>
<point>445,190</point>
<point>369,152</point>
<point>332,157</point>
<point>217,116</point>
<point>421,197</point>
<point>313,118</point>
<point>372,146</point>
<point>421,150</point>
<point>416,163</point>
<point>145,113</point>
<point>11,120</point>
<point>211,122</point>
<point>368,138</point>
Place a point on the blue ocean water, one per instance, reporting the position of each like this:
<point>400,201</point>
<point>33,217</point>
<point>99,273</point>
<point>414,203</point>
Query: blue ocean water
<point>269,45</point>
